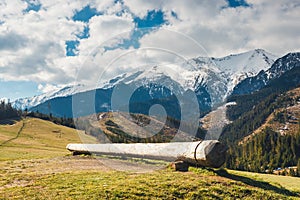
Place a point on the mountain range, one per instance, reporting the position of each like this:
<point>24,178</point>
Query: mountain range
<point>248,101</point>
<point>211,79</point>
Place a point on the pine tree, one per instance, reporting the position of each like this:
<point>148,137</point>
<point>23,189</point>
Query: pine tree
<point>7,111</point>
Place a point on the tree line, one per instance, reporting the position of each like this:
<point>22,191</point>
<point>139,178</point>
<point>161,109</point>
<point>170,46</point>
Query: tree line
<point>65,121</point>
<point>8,112</point>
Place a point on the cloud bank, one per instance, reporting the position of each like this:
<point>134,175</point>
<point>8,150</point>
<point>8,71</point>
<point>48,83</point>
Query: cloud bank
<point>57,43</point>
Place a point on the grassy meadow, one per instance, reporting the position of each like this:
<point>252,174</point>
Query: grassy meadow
<point>38,139</point>
<point>34,164</point>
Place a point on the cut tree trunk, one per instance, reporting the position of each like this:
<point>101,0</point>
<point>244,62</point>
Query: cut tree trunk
<point>206,153</point>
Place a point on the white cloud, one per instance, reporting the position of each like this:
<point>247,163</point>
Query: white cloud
<point>179,43</point>
<point>11,9</point>
<point>104,29</point>
<point>32,45</point>
<point>269,25</point>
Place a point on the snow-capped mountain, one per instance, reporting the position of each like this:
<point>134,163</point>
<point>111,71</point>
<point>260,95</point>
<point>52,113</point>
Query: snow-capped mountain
<point>255,83</point>
<point>212,79</point>
<point>30,102</point>
<point>218,75</point>
<point>244,65</point>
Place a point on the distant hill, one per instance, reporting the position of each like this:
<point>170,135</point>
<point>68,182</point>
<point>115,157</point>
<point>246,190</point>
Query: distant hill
<point>120,127</point>
<point>252,110</point>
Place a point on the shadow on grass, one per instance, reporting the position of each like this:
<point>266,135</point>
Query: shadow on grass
<point>10,121</point>
<point>255,183</point>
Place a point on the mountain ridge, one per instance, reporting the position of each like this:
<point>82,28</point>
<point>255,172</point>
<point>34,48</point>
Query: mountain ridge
<point>213,75</point>
<point>279,67</point>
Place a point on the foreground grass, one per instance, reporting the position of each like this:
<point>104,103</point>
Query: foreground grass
<point>44,179</point>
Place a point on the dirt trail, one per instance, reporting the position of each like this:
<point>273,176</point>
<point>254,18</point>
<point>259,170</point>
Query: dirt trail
<point>17,136</point>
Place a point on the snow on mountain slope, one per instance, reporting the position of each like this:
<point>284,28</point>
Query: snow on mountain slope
<point>223,74</point>
<point>280,67</point>
<point>29,102</point>
<point>218,75</point>
<point>240,66</point>
<point>249,62</point>
<point>173,77</point>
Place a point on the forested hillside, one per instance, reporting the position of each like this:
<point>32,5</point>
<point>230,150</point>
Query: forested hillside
<point>267,151</point>
<point>265,132</point>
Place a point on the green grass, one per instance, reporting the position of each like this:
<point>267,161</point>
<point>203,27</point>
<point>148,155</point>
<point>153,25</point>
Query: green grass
<point>288,182</point>
<point>163,184</point>
<point>38,139</point>
<point>35,166</point>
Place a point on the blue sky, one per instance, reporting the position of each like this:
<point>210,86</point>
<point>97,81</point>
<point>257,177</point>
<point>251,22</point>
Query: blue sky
<point>16,89</point>
<point>44,43</point>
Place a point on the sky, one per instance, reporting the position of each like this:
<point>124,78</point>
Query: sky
<point>45,45</point>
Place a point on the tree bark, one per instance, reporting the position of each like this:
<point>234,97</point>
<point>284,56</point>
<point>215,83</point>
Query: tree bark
<point>207,153</point>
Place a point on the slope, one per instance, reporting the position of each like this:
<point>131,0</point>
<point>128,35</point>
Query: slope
<point>280,66</point>
<point>121,127</point>
<point>285,119</point>
<point>36,138</point>
<point>267,137</point>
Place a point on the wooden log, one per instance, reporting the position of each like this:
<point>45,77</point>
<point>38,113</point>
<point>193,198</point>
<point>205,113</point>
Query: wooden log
<point>207,153</point>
